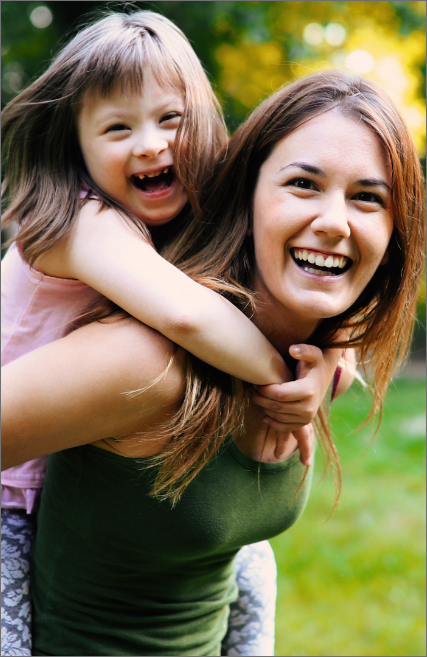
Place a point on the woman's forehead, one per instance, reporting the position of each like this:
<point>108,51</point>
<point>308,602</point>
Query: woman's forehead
<point>332,139</point>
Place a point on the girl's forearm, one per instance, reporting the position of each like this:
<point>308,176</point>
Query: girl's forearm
<point>106,254</point>
<point>218,333</point>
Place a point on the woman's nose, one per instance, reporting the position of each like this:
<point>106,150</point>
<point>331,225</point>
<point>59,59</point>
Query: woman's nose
<point>332,219</point>
<point>150,143</point>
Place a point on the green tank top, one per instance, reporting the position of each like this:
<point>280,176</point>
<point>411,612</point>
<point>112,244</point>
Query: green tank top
<point>116,572</point>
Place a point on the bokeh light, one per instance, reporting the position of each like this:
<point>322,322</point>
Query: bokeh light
<point>360,61</point>
<point>41,16</point>
<point>313,34</point>
<point>335,34</point>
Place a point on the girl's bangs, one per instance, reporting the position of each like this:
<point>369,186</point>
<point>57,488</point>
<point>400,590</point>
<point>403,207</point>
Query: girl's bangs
<point>121,64</point>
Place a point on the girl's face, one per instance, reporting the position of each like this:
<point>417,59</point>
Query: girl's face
<point>322,219</point>
<point>127,143</point>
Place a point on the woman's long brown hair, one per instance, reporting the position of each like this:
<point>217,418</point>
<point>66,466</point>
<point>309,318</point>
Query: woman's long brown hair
<point>218,249</point>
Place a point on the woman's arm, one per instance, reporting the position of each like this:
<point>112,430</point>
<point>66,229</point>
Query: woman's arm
<point>71,392</point>
<point>105,253</point>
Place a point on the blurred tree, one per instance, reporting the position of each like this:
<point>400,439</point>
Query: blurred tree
<point>250,48</point>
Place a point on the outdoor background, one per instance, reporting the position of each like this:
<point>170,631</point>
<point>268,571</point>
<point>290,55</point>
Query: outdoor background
<point>353,585</point>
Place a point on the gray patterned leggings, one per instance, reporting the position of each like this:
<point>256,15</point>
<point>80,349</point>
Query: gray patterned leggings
<point>251,623</point>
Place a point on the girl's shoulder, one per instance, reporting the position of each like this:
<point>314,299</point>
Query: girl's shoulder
<point>94,226</point>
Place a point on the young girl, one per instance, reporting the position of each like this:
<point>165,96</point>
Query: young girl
<point>120,133</point>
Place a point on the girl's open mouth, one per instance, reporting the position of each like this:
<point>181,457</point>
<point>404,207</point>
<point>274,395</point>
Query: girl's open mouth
<point>152,183</point>
<point>314,262</point>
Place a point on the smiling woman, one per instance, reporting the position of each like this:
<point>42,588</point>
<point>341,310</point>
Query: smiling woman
<point>312,199</point>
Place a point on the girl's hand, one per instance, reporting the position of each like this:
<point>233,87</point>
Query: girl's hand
<point>291,406</point>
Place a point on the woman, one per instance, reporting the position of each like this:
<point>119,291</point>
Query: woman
<point>315,219</point>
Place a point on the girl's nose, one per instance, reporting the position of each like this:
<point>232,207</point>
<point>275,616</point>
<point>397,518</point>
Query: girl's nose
<point>150,144</point>
<point>333,219</point>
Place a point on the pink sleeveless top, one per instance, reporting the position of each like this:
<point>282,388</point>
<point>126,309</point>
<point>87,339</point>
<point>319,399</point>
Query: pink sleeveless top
<point>36,309</point>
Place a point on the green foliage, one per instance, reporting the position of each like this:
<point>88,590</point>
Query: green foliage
<point>250,48</point>
<point>355,584</point>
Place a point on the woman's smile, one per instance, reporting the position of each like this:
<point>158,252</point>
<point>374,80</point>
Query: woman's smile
<point>321,220</point>
<point>321,264</point>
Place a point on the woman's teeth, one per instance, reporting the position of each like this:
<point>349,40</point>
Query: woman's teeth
<point>331,262</point>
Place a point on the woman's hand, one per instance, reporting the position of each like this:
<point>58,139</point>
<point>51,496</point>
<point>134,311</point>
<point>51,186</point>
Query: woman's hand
<point>305,439</point>
<point>291,406</point>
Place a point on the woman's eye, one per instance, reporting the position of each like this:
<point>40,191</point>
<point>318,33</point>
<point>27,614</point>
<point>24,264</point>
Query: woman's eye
<point>302,183</point>
<point>117,127</point>
<point>368,197</point>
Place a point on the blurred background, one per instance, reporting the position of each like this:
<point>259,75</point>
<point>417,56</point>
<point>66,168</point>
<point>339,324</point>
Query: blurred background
<point>355,584</point>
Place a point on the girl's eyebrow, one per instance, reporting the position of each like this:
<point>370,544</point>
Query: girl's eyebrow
<point>113,113</point>
<point>365,182</point>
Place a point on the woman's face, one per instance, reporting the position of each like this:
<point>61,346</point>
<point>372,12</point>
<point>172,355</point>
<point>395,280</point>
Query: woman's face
<point>322,219</point>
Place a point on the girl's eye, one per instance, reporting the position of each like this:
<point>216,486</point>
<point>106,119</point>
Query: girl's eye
<point>117,127</point>
<point>302,183</point>
<point>170,116</point>
<point>369,197</point>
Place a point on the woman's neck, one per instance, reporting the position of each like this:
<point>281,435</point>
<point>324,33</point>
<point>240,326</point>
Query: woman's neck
<point>281,327</point>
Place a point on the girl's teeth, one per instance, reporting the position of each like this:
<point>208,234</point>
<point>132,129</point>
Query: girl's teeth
<point>141,176</point>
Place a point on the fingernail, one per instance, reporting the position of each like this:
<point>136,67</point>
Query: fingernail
<point>296,350</point>
<point>265,420</point>
<point>309,461</point>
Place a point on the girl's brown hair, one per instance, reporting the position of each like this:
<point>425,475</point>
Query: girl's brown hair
<point>44,167</point>
<point>219,248</point>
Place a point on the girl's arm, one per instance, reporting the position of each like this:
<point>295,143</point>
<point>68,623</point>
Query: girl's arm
<point>104,252</point>
<point>71,392</point>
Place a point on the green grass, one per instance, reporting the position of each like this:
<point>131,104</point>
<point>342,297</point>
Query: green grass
<point>354,585</point>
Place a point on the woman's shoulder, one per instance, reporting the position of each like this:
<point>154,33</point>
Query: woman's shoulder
<point>106,379</point>
<point>129,350</point>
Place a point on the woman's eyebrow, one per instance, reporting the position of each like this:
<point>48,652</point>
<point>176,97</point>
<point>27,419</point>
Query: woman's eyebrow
<point>306,167</point>
<point>365,182</point>
<point>373,182</point>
